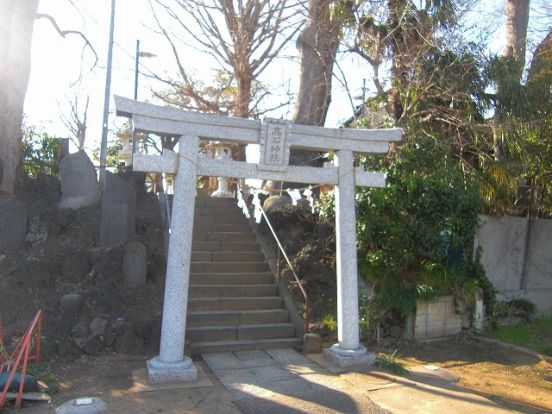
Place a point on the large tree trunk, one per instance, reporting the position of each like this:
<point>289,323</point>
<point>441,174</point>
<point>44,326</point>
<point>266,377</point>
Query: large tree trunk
<point>517,19</point>
<point>16,29</point>
<point>317,45</point>
<point>242,110</point>
<point>396,10</point>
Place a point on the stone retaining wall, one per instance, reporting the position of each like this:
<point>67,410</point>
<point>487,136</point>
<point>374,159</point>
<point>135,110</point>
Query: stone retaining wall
<point>437,319</point>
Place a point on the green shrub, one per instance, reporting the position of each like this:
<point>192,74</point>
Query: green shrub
<point>415,235</point>
<point>390,363</point>
<point>330,321</point>
<point>39,152</point>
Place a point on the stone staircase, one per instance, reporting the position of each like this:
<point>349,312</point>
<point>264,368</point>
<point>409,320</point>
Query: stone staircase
<point>233,300</point>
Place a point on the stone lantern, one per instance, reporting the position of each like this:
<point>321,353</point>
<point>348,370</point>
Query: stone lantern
<point>221,151</point>
<point>125,153</point>
<point>128,140</point>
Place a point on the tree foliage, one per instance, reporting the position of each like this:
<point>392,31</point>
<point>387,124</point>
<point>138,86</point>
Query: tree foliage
<point>441,85</point>
<point>415,235</point>
<point>40,152</point>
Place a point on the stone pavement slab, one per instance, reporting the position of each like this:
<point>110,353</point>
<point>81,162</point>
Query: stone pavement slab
<point>223,360</point>
<point>288,356</point>
<point>257,374</point>
<point>286,382</point>
<point>256,358</point>
<point>272,374</point>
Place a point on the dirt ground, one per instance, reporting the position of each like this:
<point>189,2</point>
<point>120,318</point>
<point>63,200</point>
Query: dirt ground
<point>63,256</point>
<point>510,378</point>
<point>110,378</point>
<point>489,370</point>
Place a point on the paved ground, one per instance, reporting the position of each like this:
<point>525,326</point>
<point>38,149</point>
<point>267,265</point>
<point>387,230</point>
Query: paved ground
<point>265,382</point>
<point>284,381</point>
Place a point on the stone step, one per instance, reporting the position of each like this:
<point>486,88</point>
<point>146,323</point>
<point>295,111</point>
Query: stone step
<point>229,211</point>
<point>218,291</point>
<point>244,345</point>
<point>228,267</point>
<point>262,278</point>
<point>224,236</point>
<point>220,219</point>
<point>235,303</point>
<point>243,317</point>
<point>212,333</point>
<point>266,331</point>
<point>241,227</point>
<point>227,256</point>
<point>240,332</point>
<point>224,246</point>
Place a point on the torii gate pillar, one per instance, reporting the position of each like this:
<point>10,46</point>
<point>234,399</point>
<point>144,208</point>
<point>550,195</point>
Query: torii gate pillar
<point>172,365</point>
<point>348,351</point>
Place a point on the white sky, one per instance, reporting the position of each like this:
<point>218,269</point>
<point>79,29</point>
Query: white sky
<point>56,62</point>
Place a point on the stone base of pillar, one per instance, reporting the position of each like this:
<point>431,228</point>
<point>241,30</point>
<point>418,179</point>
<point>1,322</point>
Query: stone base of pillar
<point>345,358</point>
<point>160,372</point>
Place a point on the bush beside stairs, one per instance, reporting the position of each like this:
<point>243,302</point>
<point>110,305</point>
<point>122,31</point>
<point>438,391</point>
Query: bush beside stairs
<point>233,301</point>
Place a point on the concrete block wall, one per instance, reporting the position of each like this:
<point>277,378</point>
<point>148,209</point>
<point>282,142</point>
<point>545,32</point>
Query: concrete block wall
<point>503,243</point>
<point>437,319</point>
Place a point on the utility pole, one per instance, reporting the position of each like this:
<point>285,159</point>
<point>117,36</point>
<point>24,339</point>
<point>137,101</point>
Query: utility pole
<point>139,54</point>
<point>103,148</point>
<point>136,69</point>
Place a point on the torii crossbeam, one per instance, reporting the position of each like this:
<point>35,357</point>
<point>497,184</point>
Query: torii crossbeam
<point>275,138</point>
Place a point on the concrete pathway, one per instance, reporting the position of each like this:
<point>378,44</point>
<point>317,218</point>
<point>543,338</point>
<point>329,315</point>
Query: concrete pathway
<point>283,381</point>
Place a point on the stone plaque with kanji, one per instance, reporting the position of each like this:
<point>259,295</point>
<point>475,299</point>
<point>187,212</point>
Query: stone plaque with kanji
<point>274,145</point>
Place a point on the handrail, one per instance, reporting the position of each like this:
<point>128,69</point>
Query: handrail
<point>303,291</point>
<point>22,355</point>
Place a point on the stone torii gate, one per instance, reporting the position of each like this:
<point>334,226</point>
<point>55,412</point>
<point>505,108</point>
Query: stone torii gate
<point>275,138</point>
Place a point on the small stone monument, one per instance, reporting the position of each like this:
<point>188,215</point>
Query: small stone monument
<point>13,225</point>
<point>118,211</point>
<point>134,264</point>
<point>79,186</point>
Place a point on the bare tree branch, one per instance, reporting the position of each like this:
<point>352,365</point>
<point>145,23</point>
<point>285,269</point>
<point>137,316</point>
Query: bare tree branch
<point>242,36</point>
<point>65,33</point>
